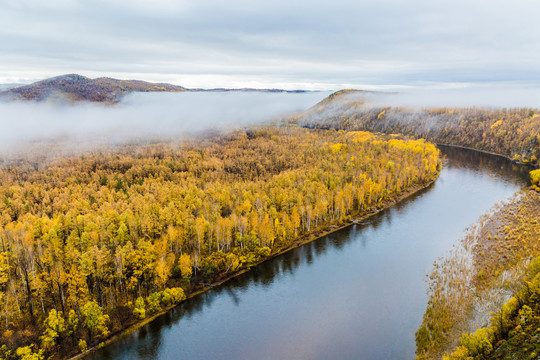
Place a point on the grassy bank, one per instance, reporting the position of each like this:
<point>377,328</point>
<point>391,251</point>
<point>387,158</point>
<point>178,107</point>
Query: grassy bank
<point>480,288</point>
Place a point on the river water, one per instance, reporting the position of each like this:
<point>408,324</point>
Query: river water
<point>358,293</point>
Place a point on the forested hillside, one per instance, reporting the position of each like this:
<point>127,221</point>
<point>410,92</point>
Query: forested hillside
<point>514,133</point>
<point>89,245</point>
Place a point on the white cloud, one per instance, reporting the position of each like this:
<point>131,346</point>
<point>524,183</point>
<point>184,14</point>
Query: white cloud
<point>330,43</point>
<point>141,116</point>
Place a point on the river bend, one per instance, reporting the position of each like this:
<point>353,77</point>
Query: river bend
<point>358,293</point>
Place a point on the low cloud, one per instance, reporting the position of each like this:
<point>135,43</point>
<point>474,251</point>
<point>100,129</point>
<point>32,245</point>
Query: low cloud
<point>28,126</point>
<point>487,95</point>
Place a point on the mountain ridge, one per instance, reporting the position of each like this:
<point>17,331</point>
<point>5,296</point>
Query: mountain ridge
<point>72,88</point>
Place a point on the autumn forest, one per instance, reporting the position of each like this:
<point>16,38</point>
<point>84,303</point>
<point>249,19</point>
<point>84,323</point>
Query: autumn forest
<point>94,243</point>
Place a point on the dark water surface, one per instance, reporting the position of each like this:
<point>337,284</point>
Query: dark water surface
<point>359,293</point>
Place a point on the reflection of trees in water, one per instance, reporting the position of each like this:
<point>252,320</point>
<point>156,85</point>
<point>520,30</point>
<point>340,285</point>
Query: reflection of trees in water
<point>495,166</point>
<point>266,273</point>
<point>150,337</point>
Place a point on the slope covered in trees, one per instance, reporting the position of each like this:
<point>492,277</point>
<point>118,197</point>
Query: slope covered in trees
<point>514,133</point>
<point>92,244</point>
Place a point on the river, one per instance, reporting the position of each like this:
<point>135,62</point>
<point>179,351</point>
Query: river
<point>358,293</point>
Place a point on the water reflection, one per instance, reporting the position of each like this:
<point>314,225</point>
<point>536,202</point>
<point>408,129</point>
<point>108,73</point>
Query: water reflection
<point>495,166</point>
<point>357,293</point>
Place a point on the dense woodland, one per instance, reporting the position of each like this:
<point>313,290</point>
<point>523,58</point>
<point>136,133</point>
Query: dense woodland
<point>94,243</point>
<point>514,133</point>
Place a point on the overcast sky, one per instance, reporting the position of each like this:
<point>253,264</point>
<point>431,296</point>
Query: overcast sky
<point>305,44</point>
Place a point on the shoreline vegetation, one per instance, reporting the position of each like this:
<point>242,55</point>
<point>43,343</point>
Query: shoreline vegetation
<point>484,294</point>
<point>94,244</point>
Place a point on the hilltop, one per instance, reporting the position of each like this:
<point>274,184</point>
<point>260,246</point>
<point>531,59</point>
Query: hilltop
<point>74,87</point>
<point>512,133</point>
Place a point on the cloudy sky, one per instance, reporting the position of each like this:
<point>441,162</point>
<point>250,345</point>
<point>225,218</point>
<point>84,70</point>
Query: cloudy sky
<point>304,44</point>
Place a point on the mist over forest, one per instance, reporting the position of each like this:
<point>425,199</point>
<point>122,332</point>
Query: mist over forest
<point>484,95</point>
<point>141,116</point>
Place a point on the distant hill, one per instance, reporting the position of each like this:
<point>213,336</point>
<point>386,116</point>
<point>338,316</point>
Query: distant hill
<point>73,87</point>
<point>341,104</point>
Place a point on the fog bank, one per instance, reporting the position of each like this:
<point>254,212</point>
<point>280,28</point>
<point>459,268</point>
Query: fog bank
<point>489,95</point>
<point>140,116</point>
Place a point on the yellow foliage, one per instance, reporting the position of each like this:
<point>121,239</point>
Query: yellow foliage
<point>337,147</point>
<point>461,353</point>
<point>512,128</point>
<point>360,136</point>
<point>535,179</point>
<point>496,124</point>
<point>26,353</point>
<point>82,345</point>
<point>184,262</point>
<point>114,227</point>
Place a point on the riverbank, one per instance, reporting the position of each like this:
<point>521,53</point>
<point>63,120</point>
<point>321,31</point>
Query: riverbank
<point>299,242</point>
<point>474,282</point>
<point>316,234</point>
